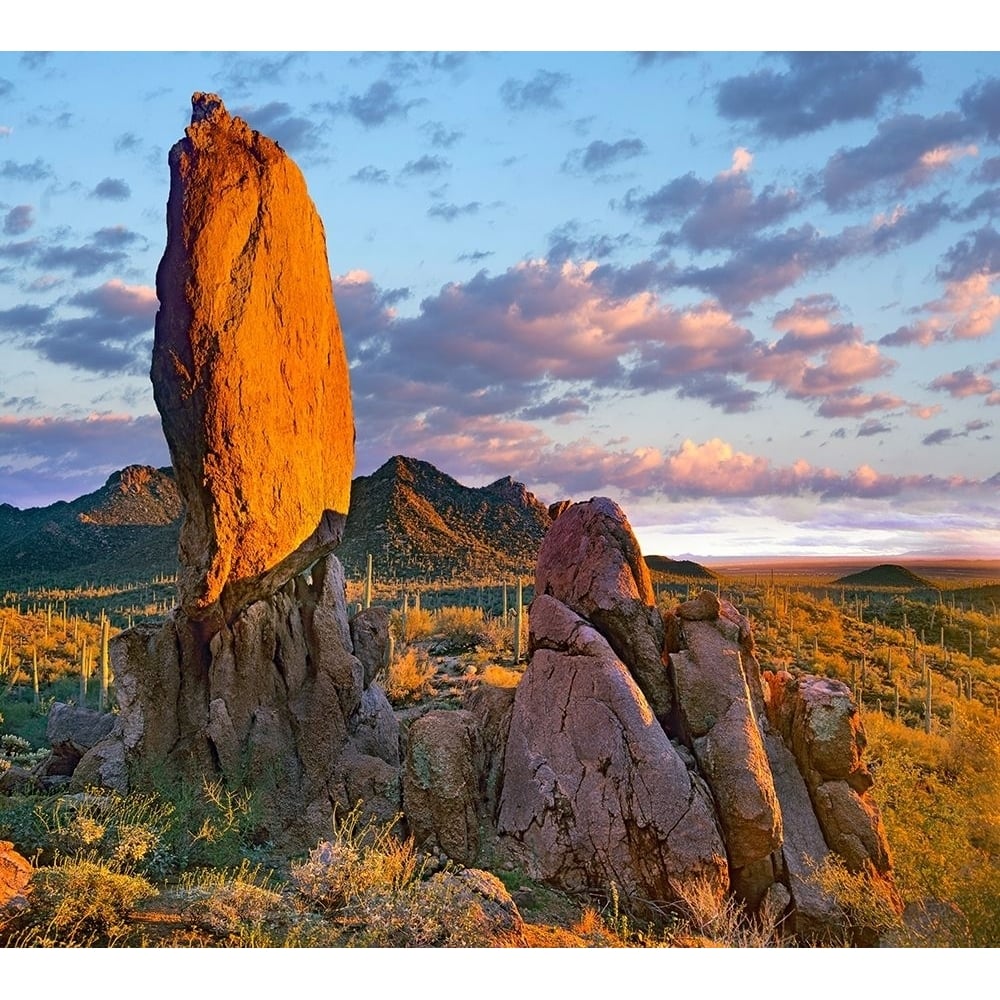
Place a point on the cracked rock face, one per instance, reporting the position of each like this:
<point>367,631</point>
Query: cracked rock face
<point>590,560</point>
<point>249,368</point>
<point>594,790</point>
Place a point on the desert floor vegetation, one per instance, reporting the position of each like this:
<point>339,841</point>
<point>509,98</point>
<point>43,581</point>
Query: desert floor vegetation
<point>187,867</point>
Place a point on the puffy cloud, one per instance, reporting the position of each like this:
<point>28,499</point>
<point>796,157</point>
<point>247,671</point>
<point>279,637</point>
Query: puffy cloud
<point>18,220</point>
<point>112,189</point>
<point>370,174</point>
<point>83,261</point>
<point>541,91</point>
<point>378,105</point>
<point>968,310</point>
<point>906,152</point>
<point>600,155</point>
<point>114,300</point>
<point>37,170</point>
<point>981,104</point>
<point>963,382</point>
<point>427,164</point>
<point>276,119</point>
<point>817,90</point>
<point>450,211</point>
<point>440,136</point>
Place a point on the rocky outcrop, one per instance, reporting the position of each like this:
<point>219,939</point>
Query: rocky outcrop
<point>249,369</point>
<point>591,562</point>
<point>441,786</point>
<point>594,791</point>
<point>819,721</point>
<point>71,732</point>
<point>254,678</point>
<point>719,722</point>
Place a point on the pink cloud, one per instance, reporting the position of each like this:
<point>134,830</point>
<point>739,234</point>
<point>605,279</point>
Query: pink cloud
<point>964,382</point>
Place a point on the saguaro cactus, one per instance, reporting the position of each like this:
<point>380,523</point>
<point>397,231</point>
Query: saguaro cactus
<point>105,662</point>
<point>518,620</point>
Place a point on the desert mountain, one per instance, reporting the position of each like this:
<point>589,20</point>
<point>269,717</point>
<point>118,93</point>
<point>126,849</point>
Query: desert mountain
<point>686,568</point>
<point>883,575</point>
<point>416,521</point>
<point>126,529</point>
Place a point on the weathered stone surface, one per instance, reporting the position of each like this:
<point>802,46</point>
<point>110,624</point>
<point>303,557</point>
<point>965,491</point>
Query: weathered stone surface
<point>102,766</point>
<point>75,728</point>
<point>249,369</point>
<point>268,701</point>
<point>487,897</point>
<point>591,562</point>
<point>492,707</point>
<point>815,914</point>
<point>703,608</point>
<point>441,792</point>
<point>819,721</point>
<point>593,789</point>
<point>15,874</point>
<point>374,729</point>
<point>370,638</point>
<point>718,720</point>
<point>559,507</point>
<point>371,783</point>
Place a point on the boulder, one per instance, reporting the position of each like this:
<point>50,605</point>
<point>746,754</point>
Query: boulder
<point>370,638</point>
<point>441,784</point>
<point>249,368</point>
<point>15,874</point>
<point>718,721</point>
<point>591,562</point>
<point>594,792</point>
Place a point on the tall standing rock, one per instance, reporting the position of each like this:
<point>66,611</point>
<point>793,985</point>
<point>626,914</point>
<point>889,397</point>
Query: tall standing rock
<point>249,368</point>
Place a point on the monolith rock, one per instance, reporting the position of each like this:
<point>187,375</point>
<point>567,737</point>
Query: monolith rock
<point>249,368</point>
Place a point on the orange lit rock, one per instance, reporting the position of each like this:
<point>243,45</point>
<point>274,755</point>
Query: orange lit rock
<point>249,369</point>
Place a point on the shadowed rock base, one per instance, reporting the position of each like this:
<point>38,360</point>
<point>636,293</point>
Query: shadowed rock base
<point>276,702</point>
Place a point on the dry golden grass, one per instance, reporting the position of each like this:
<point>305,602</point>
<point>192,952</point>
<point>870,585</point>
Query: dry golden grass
<point>408,677</point>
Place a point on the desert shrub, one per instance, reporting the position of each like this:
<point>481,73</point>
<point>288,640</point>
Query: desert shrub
<point>865,899</point>
<point>81,903</point>
<point>436,913</point>
<point>241,905</point>
<point>460,629</point>
<point>408,677</point>
<point>416,624</point>
<point>499,676</point>
<point>363,858</point>
<point>726,922</point>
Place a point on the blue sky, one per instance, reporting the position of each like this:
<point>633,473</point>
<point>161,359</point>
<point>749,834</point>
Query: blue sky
<point>753,297</point>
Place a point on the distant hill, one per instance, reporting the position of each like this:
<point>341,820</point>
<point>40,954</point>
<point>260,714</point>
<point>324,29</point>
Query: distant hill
<point>126,530</point>
<point>678,567</point>
<point>416,521</point>
<point>883,575</point>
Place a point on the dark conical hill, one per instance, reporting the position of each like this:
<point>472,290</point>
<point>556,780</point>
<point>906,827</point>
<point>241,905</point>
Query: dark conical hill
<point>883,575</point>
<point>686,568</point>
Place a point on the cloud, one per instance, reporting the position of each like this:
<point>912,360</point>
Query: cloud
<point>540,92</point>
<point>6,86</point>
<point>906,152</point>
<point>371,174</point>
<point>939,436</point>
<point>112,189</point>
<point>475,256</point>
<point>981,104</point>
<point>601,155</point>
<point>37,170</point>
<point>818,89</point>
<point>83,261</point>
<point>242,73</point>
<point>544,329</point>
<point>34,60</point>
<point>378,105</point>
<point>449,211</point>
<point>440,136</point>
<point>872,427</point>
<point>968,310</point>
<point>277,121</point>
<point>5,130</point>
<point>117,236</point>
<point>63,458</point>
<point>18,220</point>
<point>127,142</point>
<point>428,164</point>
<point>963,383</point>
<point>979,253</point>
<point>114,300</point>
<point>24,318</point>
